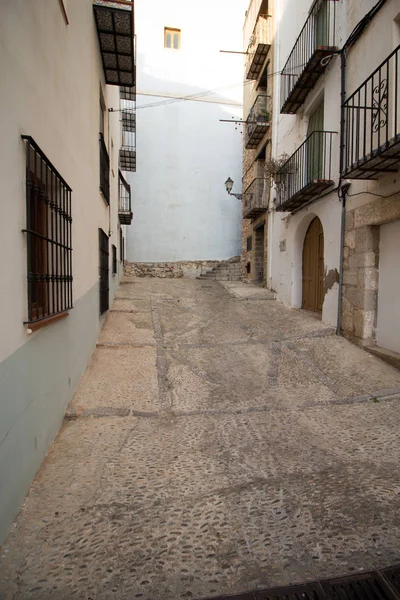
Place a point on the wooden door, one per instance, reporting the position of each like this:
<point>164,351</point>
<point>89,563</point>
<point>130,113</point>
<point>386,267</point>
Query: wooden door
<point>313,267</point>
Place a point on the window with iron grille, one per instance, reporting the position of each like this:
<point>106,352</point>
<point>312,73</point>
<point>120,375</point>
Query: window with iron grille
<point>121,246</point>
<point>104,271</point>
<point>114,259</point>
<point>49,237</point>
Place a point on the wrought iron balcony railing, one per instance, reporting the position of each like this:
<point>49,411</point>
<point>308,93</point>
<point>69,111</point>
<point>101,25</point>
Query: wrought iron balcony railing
<point>310,55</point>
<point>127,153</point>
<point>104,169</point>
<point>307,173</point>
<point>254,201</point>
<point>116,32</point>
<point>258,121</point>
<point>372,123</point>
<point>257,51</point>
<point>124,201</point>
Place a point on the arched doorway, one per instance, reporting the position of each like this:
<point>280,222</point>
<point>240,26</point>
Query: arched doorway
<point>313,267</point>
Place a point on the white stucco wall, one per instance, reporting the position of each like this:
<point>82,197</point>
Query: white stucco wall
<point>289,132</point>
<point>51,75</point>
<point>184,153</point>
<point>388,323</point>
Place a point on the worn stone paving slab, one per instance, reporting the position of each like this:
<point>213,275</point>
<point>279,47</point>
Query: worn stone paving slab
<point>240,445</point>
<point>134,328</point>
<point>119,377</point>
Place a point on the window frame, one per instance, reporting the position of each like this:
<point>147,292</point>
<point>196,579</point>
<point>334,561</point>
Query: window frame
<point>172,31</point>
<point>114,259</point>
<point>49,239</point>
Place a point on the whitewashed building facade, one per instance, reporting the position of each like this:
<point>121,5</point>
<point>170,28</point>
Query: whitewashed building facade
<point>63,211</point>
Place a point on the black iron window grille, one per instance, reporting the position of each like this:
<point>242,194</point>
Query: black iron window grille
<point>121,246</point>
<point>310,56</point>
<point>258,121</point>
<point>372,123</point>
<point>114,259</point>
<point>49,237</point>
<point>254,199</point>
<point>128,93</point>
<point>307,173</point>
<point>104,253</point>
<point>104,169</point>
<point>124,201</point>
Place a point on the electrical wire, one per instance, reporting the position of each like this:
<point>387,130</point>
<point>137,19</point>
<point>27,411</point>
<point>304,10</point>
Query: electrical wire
<point>200,95</point>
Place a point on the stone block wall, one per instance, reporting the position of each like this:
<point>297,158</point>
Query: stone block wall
<point>170,270</point>
<point>361,267</point>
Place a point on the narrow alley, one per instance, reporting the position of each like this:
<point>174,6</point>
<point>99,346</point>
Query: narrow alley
<point>217,443</point>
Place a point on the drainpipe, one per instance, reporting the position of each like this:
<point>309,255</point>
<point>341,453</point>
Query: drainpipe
<point>342,188</point>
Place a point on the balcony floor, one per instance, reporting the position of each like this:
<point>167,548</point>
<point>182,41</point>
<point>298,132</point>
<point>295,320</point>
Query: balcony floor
<point>260,129</point>
<point>253,213</point>
<point>258,61</point>
<point>309,192</point>
<point>385,159</point>
<point>307,80</point>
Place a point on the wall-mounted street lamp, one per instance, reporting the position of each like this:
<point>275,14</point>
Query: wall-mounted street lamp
<point>229,186</point>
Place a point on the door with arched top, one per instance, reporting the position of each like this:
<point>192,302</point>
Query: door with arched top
<point>313,267</point>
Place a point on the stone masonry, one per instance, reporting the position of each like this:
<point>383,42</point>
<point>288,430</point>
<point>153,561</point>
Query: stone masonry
<point>173,270</point>
<point>361,268</point>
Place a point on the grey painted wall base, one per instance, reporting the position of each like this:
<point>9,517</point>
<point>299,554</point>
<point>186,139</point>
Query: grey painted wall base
<point>36,384</point>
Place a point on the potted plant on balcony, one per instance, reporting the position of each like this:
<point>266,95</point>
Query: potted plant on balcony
<point>275,168</point>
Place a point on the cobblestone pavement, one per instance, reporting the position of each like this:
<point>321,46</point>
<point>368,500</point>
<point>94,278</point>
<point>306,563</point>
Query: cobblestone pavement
<point>215,444</point>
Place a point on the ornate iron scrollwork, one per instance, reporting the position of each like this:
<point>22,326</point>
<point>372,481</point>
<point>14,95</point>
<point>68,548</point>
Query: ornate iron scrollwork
<point>379,105</point>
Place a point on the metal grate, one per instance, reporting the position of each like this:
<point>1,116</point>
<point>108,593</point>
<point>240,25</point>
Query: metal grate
<point>307,173</point>
<point>372,123</point>
<point>254,199</point>
<point>310,55</point>
<point>121,246</point>
<point>124,201</point>
<point>114,259</point>
<point>258,121</point>
<point>104,170</point>
<point>128,120</point>
<point>369,586</point>
<point>49,237</point>
<point>104,271</point>
<point>392,575</point>
<point>127,93</point>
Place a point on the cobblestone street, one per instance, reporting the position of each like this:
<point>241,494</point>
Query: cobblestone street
<point>218,442</point>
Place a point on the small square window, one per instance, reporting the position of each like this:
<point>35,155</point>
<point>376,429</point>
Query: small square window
<point>172,38</point>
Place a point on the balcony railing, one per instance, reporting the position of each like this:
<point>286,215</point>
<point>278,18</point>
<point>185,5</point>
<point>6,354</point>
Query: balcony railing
<point>258,121</point>
<point>104,170</point>
<point>310,55</point>
<point>372,123</point>
<point>254,202</point>
<point>115,29</point>
<point>127,153</point>
<point>260,43</point>
<point>307,173</point>
<point>124,201</point>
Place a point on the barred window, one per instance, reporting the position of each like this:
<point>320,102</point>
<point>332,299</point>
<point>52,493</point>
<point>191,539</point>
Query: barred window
<point>121,246</point>
<point>114,259</point>
<point>48,229</point>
